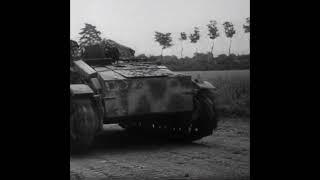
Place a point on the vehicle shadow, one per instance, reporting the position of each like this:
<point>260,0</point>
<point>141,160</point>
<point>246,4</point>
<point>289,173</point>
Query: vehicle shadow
<point>118,140</point>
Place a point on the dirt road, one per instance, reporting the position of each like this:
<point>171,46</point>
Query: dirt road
<point>119,155</point>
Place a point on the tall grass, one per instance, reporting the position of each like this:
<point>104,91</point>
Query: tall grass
<point>233,90</point>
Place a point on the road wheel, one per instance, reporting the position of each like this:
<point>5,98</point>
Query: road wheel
<point>204,118</point>
<point>83,125</point>
<point>202,123</point>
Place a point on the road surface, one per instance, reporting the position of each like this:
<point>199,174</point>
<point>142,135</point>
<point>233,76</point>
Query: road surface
<point>118,154</point>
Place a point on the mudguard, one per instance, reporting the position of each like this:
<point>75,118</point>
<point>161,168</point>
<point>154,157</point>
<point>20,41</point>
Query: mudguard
<point>80,90</point>
<point>84,69</point>
<point>204,85</point>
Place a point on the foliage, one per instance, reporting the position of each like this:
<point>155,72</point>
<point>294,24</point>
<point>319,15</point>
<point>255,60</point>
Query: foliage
<point>74,50</point>
<point>125,52</point>
<point>141,56</point>
<point>183,37</point>
<point>213,30</point>
<point>246,26</point>
<point>213,33</point>
<point>89,36</point>
<point>164,39</point>
<point>229,29</point>
<point>195,36</point>
<point>199,62</point>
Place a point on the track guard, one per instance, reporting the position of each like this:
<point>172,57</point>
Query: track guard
<point>203,85</point>
<point>80,90</point>
<point>85,119</point>
<point>207,94</point>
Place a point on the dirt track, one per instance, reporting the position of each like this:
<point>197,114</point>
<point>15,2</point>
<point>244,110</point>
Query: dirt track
<point>119,155</point>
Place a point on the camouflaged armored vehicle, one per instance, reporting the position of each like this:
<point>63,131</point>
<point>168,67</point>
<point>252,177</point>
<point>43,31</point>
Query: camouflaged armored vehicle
<point>140,97</point>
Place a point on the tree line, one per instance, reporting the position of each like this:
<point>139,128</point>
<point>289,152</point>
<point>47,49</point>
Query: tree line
<point>165,39</point>
<point>91,36</point>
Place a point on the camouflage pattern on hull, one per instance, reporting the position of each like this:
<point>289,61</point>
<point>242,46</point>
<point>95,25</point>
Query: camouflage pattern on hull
<point>129,91</point>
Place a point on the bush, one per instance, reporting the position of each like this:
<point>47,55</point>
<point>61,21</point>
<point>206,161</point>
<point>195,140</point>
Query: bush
<point>204,62</point>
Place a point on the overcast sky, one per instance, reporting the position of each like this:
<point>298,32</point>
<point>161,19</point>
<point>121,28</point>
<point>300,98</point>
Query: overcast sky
<point>133,22</point>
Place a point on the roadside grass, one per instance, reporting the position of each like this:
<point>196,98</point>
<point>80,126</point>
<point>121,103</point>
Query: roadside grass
<point>233,90</point>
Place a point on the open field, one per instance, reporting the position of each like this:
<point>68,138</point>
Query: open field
<point>213,75</point>
<point>233,90</point>
<point>119,155</point>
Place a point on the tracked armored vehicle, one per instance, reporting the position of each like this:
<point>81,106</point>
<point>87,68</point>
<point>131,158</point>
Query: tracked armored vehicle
<point>141,97</point>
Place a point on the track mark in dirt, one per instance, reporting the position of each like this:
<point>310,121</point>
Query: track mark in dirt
<point>118,155</point>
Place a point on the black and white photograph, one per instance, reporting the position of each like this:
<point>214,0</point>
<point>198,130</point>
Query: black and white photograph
<point>160,89</point>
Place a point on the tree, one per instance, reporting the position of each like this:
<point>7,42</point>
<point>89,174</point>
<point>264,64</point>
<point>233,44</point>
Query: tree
<point>229,31</point>
<point>141,56</point>
<point>164,39</point>
<point>74,50</point>
<point>125,52</point>
<point>183,37</point>
<point>213,33</point>
<point>89,36</point>
<point>195,36</point>
<point>246,27</point>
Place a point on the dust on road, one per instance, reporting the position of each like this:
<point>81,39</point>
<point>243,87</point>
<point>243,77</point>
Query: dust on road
<point>120,155</point>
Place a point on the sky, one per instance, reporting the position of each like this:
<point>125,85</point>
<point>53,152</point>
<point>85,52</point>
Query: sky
<point>133,23</point>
